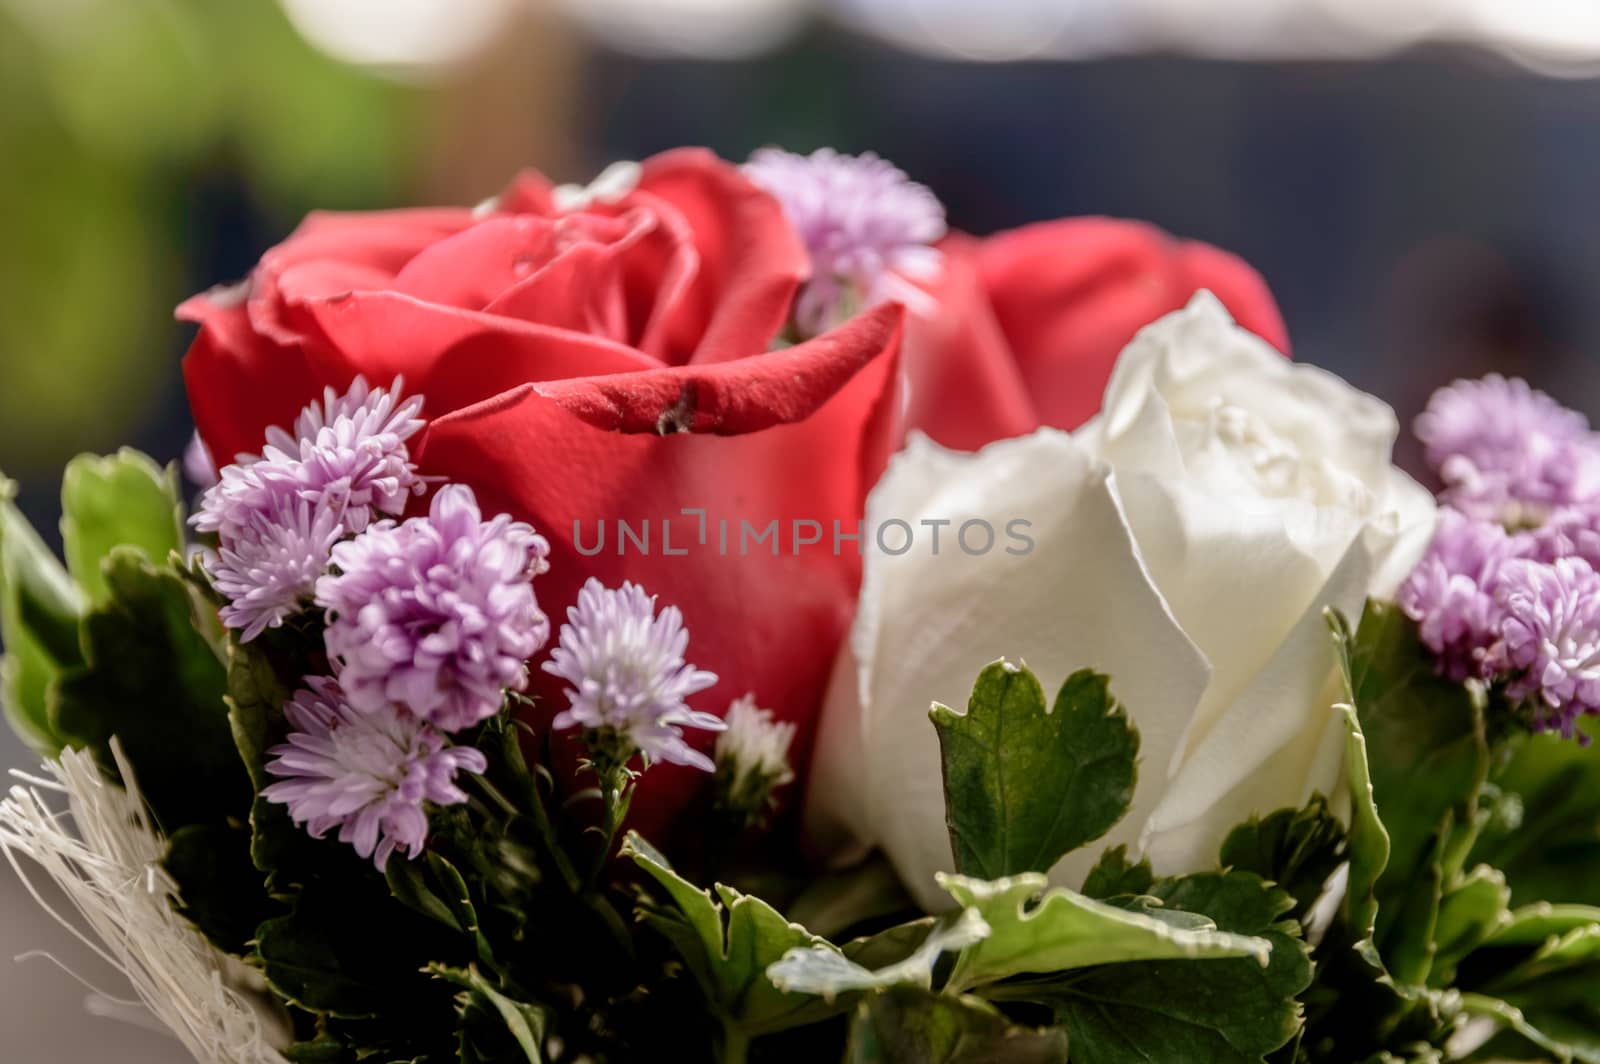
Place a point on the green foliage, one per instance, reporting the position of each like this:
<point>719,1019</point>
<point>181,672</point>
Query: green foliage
<point>829,972</point>
<point>220,891</point>
<point>40,610</point>
<point>1025,784</point>
<point>1428,757</point>
<point>728,942</point>
<point>121,500</point>
<point>1298,849</point>
<point>1544,833</point>
<point>1221,1012</point>
<point>1035,930</point>
<point>152,679</point>
<point>1114,875</point>
<point>1448,948</point>
<point>496,1027</point>
<point>911,1026</point>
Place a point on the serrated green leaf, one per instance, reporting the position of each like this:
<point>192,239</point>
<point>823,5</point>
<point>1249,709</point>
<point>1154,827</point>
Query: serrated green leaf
<point>434,887</point>
<point>1582,1044</point>
<point>1532,925</point>
<point>1298,849</point>
<point>1115,875</point>
<point>1427,754</point>
<point>1037,929</point>
<point>1369,841</point>
<point>728,941</point>
<point>525,1024</point>
<point>1024,784</point>
<point>150,679</point>
<point>828,972</point>
<point>911,1026</point>
<point>120,500</point>
<point>1200,1012</point>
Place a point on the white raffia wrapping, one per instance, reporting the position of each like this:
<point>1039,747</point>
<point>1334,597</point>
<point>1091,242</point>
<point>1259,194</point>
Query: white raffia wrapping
<point>107,863</point>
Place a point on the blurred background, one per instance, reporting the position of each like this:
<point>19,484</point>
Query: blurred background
<point>1415,178</point>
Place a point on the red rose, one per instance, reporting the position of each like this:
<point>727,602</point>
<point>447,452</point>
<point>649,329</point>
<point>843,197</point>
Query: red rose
<point>610,362</point>
<point>1030,321</point>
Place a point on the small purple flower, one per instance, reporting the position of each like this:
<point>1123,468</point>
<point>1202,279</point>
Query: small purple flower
<point>436,614</point>
<point>351,450</point>
<point>271,513</point>
<point>1570,532</point>
<point>269,572</point>
<point>1507,452</point>
<point>366,773</point>
<point>629,679</point>
<point>1550,639</point>
<point>866,225</point>
<point>1451,593</point>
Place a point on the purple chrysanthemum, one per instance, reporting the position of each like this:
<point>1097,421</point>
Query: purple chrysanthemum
<point>367,773</point>
<point>436,614</point>
<point>271,513</point>
<point>269,572</point>
<point>351,451</point>
<point>1507,452</point>
<point>1451,593</point>
<point>628,675</point>
<point>1549,644</point>
<point>1570,532</point>
<point>866,225</point>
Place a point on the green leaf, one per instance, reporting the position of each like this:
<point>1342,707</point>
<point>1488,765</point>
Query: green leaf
<point>151,679</point>
<point>1546,836</point>
<point>220,889</point>
<point>1298,849</point>
<point>827,972</point>
<point>526,1025</point>
<point>1210,1012</point>
<point>911,1026</point>
<point>1426,751</point>
<point>1558,1039</point>
<point>1369,841</point>
<point>347,950</point>
<point>259,675</point>
<point>39,615</point>
<point>1025,784</point>
<point>1039,930</point>
<point>1113,875</point>
<point>1470,913</point>
<point>1533,925</point>
<point>124,499</point>
<point>434,887</point>
<point>728,942</point>
<point>1408,951</point>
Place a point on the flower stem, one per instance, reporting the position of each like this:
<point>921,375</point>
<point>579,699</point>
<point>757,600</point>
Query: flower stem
<point>616,792</point>
<point>735,1045</point>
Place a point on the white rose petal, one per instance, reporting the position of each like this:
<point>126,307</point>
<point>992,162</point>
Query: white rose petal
<point>928,624</point>
<point>1188,541</point>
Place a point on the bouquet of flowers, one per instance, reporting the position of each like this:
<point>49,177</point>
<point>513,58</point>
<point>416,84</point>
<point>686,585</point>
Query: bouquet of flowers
<point>714,614</point>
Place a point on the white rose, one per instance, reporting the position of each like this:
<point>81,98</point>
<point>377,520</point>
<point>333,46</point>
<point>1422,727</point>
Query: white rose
<point>1186,543</point>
